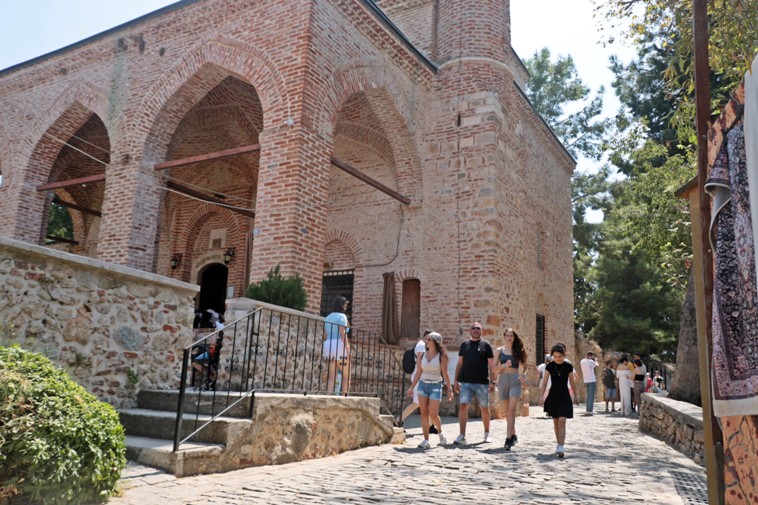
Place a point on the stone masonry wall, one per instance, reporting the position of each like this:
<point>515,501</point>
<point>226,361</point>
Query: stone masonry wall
<point>678,423</point>
<point>115,329</point>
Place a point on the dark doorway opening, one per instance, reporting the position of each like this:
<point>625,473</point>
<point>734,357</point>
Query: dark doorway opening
<point>337,283</point>
<point>410,319</point>
<point>539,340</point>
<point>213,288</point>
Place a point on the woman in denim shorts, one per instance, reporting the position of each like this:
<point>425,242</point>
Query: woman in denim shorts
<point>431,375</point>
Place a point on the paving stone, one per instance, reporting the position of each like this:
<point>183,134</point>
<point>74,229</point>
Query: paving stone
<point>608,460</point>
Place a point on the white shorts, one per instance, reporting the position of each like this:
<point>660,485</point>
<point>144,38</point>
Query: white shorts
<point>333,348</point>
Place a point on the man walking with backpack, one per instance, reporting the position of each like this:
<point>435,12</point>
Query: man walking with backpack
<point>474,376</point>
<point>418,352</point>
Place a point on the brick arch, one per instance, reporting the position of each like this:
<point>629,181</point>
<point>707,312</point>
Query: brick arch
<point>409,273</point>
<point>372,139</point>
<point>200,216</point>
<point>80,92</point>
<point>346,238</point>
<point>69,112</point>
<point>392,108</point>
<point>172,97</point>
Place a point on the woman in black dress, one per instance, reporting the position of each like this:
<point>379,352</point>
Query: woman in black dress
<point>558,403</point>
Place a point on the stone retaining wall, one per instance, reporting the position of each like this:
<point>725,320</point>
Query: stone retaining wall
<point>115,329</point>
<point>680,424</point>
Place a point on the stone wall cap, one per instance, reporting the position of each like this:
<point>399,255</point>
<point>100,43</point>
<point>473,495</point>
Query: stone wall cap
<point>679,408</point>
<point>27,249</point>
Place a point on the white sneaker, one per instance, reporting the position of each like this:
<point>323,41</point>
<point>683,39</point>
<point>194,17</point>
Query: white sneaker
<point>460,439</point>
<point>443,440</point>
<point>424,445</point>
<point>560,451</point>
<point>487,437</point>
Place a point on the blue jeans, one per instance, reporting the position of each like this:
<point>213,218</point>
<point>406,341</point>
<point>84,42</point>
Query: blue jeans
<point>590,395</point>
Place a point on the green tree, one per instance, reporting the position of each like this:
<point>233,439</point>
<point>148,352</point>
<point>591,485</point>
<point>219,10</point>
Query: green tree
<point>59,223</point>
<point>555,86</point>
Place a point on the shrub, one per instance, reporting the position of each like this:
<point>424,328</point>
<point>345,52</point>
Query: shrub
<point>58,443</point>
<point>279,290</point>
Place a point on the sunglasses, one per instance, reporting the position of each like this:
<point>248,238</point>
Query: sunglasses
<point>476,328</point>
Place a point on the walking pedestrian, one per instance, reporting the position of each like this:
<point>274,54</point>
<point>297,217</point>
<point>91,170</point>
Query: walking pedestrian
<point>558,402</point>
<point>588,365</point>
<point>431,375</point>
<point>509,358</point>
<point>336,348</point>
<point>609,381</point>
<point>624,377</point>
<point>474,376</point>
<point>639,383</point>
<point>419,352</point>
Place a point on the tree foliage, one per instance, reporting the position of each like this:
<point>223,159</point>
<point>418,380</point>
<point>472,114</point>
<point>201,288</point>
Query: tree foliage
<point>58,443</point>
<point>553,88</point>
<point>59,223</point>
<point>279,290</point>
<point>666,25</point>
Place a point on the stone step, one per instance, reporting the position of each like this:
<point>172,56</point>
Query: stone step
<point>192,459</point>
<point>160,424</point>
<point>167,400</point>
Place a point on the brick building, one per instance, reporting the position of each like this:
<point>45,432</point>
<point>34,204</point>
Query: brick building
<point>342,139</point>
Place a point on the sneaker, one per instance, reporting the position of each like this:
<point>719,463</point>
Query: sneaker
<point>560,451</point>
<point>460,439</point>
<point>432,429</point>
<point>424,445</point>
<point>487,437</point>
<point>508,444</point>
<point>514,439</point>
<point>443,440</point>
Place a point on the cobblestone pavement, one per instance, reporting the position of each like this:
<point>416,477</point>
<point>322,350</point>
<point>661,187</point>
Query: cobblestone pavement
<point>608,460</point>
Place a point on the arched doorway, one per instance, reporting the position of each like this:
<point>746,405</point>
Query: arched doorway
<point>212,280</point>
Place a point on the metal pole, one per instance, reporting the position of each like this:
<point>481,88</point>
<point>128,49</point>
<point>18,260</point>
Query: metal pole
<point>713,439</point>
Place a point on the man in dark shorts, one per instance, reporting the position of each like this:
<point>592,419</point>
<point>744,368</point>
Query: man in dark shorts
<point>474,376</point>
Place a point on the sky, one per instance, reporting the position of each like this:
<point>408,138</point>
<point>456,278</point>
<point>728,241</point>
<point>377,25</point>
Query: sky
<point>31,28</point>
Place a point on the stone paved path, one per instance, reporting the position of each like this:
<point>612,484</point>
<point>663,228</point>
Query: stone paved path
<point>608,461</point>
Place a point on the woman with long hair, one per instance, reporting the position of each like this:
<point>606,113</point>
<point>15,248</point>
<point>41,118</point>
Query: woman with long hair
<point>508,359</point>
<point>336,348</point>
<point>558,402</point>
<point>431,375</point>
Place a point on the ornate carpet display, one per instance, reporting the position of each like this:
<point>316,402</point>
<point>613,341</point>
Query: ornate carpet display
<point>735,299</point>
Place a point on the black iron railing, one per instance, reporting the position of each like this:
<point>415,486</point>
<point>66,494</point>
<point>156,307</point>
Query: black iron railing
<point>278,350</point>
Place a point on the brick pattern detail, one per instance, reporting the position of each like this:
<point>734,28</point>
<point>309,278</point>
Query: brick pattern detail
<point>308,80</point>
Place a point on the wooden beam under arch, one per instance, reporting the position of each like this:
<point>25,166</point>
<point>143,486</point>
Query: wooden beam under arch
<point>196,194</point>
<point>207,156</point>
<point>74,206</point>
<point>370,180</point>
<point>71,182</point>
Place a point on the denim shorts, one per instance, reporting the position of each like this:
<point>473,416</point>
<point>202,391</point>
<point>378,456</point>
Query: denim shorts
<point>431,390</point>
<point>610,394</point>
<point>482,392</point>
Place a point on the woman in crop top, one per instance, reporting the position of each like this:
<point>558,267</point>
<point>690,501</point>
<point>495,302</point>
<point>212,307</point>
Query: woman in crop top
<point>508,359</point>
<point>430,376</point>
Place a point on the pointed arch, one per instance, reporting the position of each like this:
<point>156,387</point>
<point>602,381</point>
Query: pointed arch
<point>166,104</point>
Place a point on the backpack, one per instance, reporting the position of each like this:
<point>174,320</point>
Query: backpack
<point>409,360</point>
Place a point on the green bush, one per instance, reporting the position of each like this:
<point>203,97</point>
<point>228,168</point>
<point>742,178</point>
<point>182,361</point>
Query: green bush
<point>282,291</point>
<point>58,443</point>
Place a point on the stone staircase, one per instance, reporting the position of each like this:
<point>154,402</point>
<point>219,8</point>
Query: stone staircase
<point>300,429</point>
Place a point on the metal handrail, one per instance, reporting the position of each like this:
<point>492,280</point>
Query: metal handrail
<point>281,351</point>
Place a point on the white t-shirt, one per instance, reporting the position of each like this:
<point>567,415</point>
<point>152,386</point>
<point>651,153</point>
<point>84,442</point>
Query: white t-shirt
<point>588,370</point>
<point>541,369</point>
<point>420,348</point>
<point>624,376</point>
